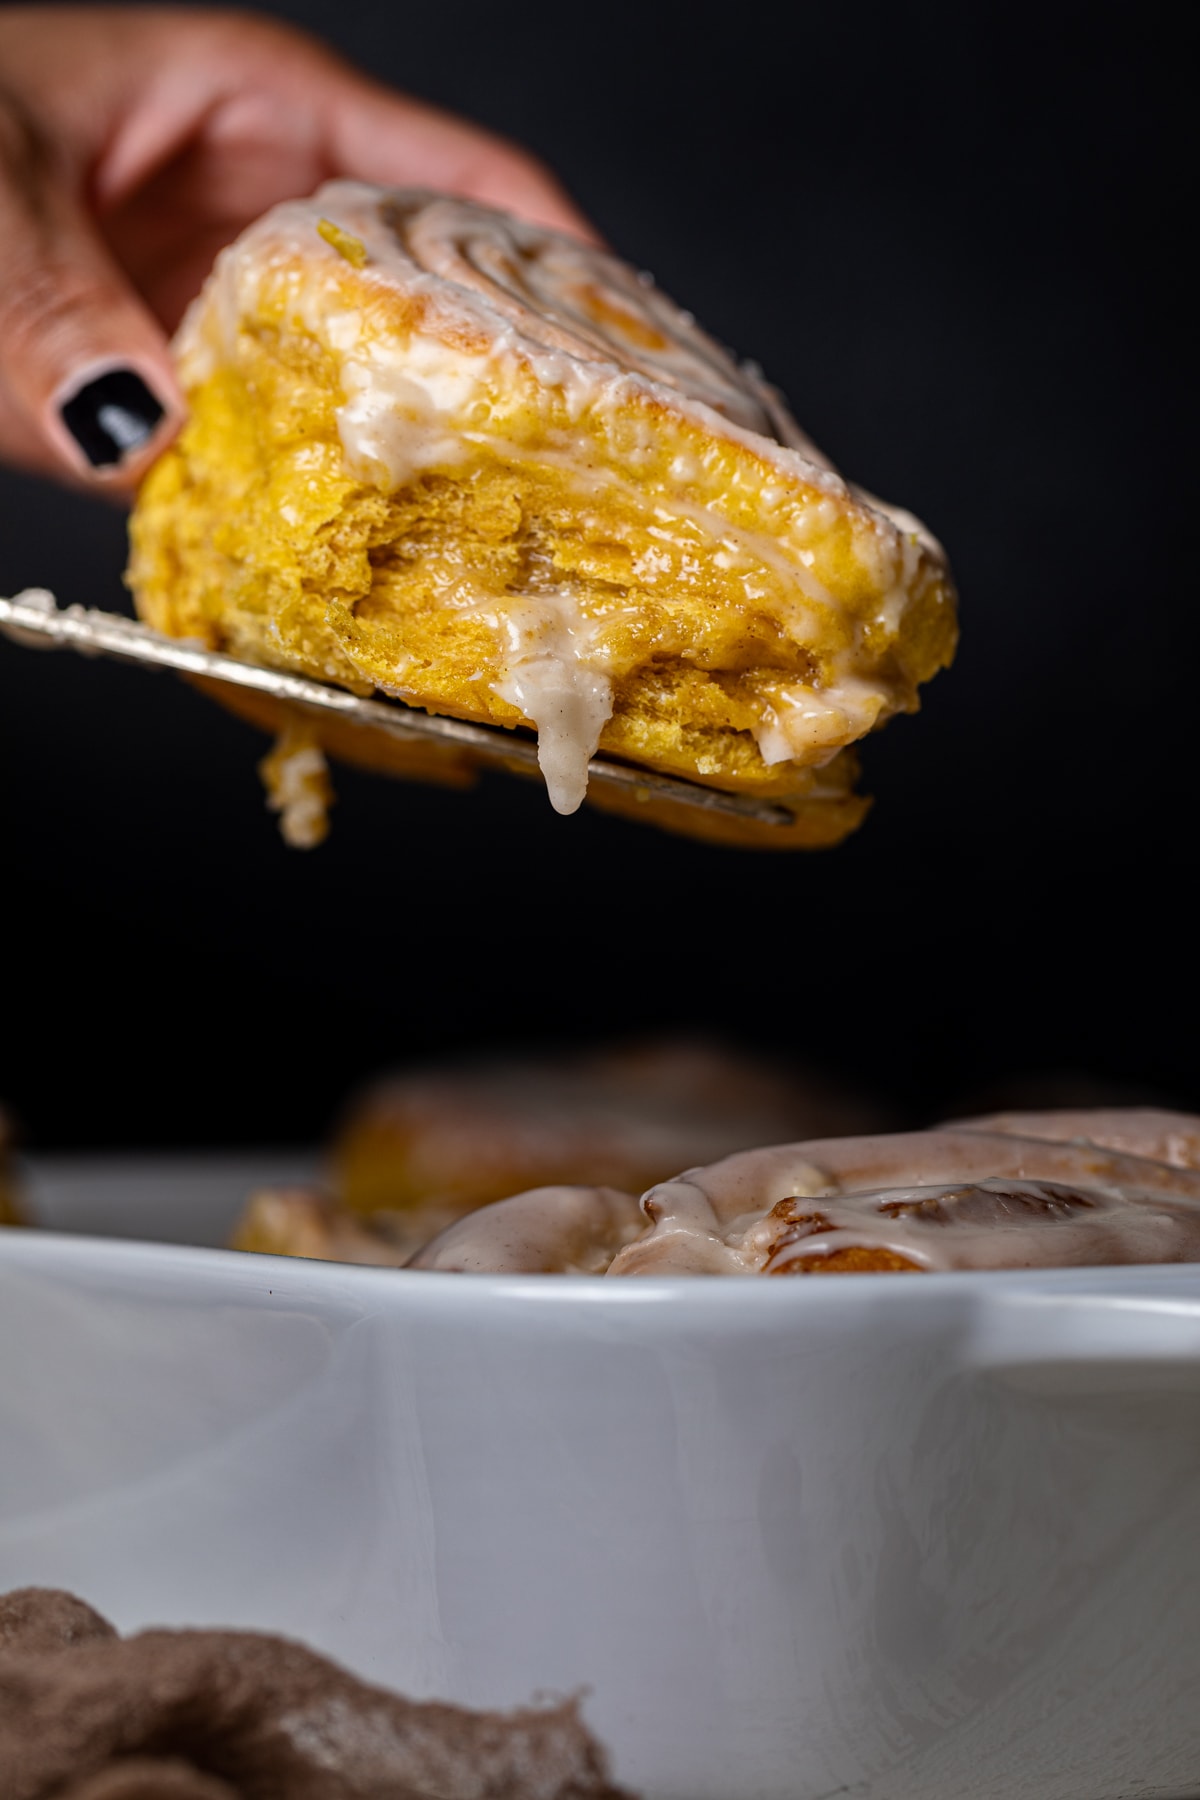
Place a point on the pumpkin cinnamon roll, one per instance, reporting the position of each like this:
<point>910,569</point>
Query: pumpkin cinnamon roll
<point>456,459</point>
<point>419,1149</point>
<point>1036,1191</point>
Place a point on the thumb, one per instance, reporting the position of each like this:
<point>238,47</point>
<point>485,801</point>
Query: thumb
<point>86,382</point>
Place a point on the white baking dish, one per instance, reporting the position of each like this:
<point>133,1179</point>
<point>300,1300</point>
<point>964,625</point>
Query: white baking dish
<point>897,1537</point>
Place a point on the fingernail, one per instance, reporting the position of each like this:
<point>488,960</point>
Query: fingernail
<point>111,416</point>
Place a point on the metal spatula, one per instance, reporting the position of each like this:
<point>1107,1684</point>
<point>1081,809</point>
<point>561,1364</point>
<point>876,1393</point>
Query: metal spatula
<point>34,618</point>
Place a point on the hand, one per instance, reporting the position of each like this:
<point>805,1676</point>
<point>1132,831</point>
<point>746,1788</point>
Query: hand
<point>134,143</point>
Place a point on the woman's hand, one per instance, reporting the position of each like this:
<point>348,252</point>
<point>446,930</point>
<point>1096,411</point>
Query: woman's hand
<point>134,143</point>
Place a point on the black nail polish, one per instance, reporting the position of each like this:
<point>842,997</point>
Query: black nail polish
<point>111,416</point>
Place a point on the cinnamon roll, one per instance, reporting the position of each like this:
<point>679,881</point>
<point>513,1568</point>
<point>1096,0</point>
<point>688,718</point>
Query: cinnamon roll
<point>622,1116</point>
<point>305,1222</point>
<point>475,465</point>
<point>1048,1191</point>
<point>10,1212</point>
<point>418,1150</point>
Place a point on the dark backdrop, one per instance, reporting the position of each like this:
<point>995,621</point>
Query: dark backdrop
<point>952,235</point>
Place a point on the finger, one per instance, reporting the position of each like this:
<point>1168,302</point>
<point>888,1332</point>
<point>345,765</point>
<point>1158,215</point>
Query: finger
<point>377,135</point>
<point>86,383</point>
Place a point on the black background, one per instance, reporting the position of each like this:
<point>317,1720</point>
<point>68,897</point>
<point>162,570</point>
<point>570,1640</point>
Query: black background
<point>953,235</point>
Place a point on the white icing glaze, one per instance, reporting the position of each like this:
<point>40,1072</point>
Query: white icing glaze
<point>1169,1137</point>
<point>958,1198</point>
<point>396,419</point>
<point>579,317</point>
<point>808,722</point>
<point>560,1230</point>
<point>986,1224</point>
<point>492,293</point>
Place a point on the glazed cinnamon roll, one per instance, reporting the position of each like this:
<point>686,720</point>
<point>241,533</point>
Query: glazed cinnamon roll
<point>475,465</point>
<point>419,1149</point>
<point>1055,1193</point>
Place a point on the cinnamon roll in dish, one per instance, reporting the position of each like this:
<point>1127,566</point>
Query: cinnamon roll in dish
<point>624,1115</point>
<point>494,473</point>
<point>1041,1191</point>
<point>419,1149</point>
<point>306,1222</point>
<point>10,1212</point>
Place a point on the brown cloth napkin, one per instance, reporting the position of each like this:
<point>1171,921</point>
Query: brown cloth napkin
<point>238,1715</point>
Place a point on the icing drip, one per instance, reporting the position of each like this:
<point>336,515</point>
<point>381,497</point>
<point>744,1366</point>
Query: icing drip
<point>561,687</point>
<point>296,777</point>
<point>805,722</point>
